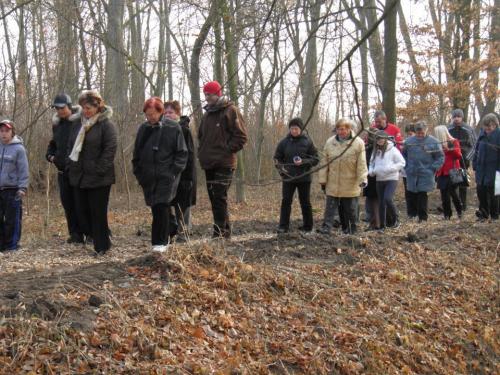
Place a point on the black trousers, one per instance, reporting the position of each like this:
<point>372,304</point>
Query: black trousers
<point>411,210</point>
<point>449,192</point>
<point>11,214</point>
<point>418,204</point>
<point>218,183</point>
<point>92,209</point>
<point>160,229</point>
<point>462,190</point>
<point>288,190</point>
<point>348,212</point>
<point>488,202</point>
<point>69,204</point>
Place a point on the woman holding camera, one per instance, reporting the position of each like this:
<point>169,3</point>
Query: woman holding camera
<point>452,157</point>
<point>294,157</point>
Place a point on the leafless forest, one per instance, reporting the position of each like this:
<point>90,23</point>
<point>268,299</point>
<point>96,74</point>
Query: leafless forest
<point>419,299</point>
<point>317,59</point>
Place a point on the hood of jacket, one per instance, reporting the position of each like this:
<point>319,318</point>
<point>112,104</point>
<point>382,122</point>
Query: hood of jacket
<point>106,114</point>
<point>184,121</point>
<point>76,112</point>
<point>15,140</point>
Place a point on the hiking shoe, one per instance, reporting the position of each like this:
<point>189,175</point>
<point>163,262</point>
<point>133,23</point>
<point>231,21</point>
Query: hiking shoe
<point>159,248</point>
<point>324,230</point>
<point>396,225</point>
<point>282,230</point>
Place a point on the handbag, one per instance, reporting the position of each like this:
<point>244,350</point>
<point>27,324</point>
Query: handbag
<point>459,176</point>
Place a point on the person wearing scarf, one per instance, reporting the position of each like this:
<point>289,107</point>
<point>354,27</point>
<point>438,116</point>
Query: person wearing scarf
<point>90,165</point>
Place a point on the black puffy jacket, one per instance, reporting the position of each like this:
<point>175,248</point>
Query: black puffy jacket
<point>160,155</point>
<point>288,148</point>
<point>61,131</point>
<point>95,166</point>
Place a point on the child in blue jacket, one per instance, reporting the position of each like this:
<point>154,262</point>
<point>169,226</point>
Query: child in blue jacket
<point>14,174</point>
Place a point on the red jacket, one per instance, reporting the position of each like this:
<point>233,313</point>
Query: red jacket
<point>393,131</point>
<point>452,158</point>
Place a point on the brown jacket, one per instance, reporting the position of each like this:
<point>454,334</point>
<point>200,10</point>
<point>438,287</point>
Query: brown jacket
<point>221,135</point>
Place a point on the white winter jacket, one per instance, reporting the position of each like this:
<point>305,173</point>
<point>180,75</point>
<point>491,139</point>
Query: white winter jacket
<point>386,168</point>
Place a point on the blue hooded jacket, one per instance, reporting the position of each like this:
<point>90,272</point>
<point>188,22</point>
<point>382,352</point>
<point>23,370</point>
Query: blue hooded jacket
<point>424,156</point>
<point>487,157</point>
<point>14,171</point>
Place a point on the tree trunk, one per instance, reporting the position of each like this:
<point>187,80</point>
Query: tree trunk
<point>390,63</point>
<point>66,79</point>
<point>232,84</point>
<point>115,88</point>
<point>491,92</point>
<point>310,78</point>
<point>137,94</point>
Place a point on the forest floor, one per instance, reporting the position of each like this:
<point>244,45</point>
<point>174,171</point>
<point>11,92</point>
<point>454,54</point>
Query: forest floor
<point>420,299</point>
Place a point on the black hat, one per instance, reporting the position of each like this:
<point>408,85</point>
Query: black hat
<point>61,100</point>
<point>297,121</point>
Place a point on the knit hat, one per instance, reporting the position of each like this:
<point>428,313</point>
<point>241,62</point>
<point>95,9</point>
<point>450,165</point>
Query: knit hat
<point>381,134</point>
<point>457,113</point>
<point>61,101</point>
<point>297,121</point>
<point>213,88</point>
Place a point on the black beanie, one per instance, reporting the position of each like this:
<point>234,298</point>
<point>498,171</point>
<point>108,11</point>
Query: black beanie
<point>296,121</point>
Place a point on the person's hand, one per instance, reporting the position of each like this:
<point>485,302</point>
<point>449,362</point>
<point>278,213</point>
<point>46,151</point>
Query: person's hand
<point>20,194</point>
<point>297,160</point>
<point>362,185</point>
<point>323,188</point>
<point>52,158</point>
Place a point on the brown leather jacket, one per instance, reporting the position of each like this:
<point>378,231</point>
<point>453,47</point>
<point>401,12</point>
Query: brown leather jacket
<point>221,135</point>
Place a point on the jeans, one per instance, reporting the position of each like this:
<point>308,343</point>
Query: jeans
<point>218,183</point>
<point>418,204</point>
<point>288,190</point>
<point>11,215</point>
<point>385,192</point>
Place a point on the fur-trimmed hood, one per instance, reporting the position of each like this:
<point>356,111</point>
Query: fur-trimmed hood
<point>107,113</point>
<point>76,112</point>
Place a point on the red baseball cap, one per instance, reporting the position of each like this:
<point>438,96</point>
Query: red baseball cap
<point>7,123</point>
<point>212,87</point>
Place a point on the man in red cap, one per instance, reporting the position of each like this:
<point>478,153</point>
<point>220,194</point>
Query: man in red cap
<point>221,135</point>
<point>380,123</point>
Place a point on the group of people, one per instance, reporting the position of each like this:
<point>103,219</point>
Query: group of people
<point>83,148</point>
<point>373,162</point>
<point>84,144</point>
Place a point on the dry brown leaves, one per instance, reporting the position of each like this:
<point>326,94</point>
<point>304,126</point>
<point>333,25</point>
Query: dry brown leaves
<point>374,304</point>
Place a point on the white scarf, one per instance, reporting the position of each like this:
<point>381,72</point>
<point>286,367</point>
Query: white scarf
<point>87,123</point>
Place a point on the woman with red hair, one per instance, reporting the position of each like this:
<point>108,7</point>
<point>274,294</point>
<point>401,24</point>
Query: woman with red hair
<point>159,157</point>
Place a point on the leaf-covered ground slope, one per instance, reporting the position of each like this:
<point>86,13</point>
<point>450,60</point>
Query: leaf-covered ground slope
<point>421,299</point>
